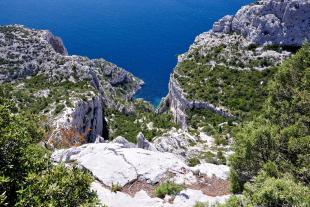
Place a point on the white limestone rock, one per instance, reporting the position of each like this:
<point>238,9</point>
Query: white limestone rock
<point>174,142</point>
<point>123,141</point>
<point>235,38</point>
<point>111,163</point>
<point>284,22</point>
<point>219,171</point>
<point>189,197</point>
<point>144,144</point>
<point>85,118</point>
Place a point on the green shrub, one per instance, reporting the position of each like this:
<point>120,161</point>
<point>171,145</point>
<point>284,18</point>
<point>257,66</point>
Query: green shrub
<point>221,158</point>
<point>240,91</point>
<point>278,140</point>
<point>59,186</point>
<point>270,191</point>
<point>59,108</point>
<point>27,177</point>
<point>115,187</point>
<point>234,201</point>
<point>192,162</point>
<point>128,126</point>
<point>168,188</point>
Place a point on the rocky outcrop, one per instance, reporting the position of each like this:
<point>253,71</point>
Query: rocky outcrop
<point>132,163</point>
<point>91,85</point>
<point>84,119</point>
<point>112,163</point>
<point>56,43</point>
<point>241,42</point>
<point>285,22</point>
<point>144,144</point>
<point>233,51</point>
<point>187,146</point>
<point>124,142</point>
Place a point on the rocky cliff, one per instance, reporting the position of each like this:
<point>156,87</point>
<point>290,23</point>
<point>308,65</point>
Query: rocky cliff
<point>258,37</point>
<point>71,92</point>
<point>281,22</point>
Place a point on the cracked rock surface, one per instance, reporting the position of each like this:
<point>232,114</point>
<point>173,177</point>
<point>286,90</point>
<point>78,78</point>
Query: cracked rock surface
<point>113,163</point>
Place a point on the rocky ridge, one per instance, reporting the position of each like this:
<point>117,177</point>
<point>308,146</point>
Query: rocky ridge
<point>281,22</point>
<point>259,36</point>
<point>73,89</point>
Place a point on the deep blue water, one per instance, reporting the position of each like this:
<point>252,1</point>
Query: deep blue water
<point>142,36</point>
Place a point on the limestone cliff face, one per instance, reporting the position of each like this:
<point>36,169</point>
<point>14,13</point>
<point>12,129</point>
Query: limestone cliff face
<point>85,118</point>
<point>178,104</point>
<point>241,42</point>
<point>283,22</point>
<point>56,43</point>
<point>88,86</point>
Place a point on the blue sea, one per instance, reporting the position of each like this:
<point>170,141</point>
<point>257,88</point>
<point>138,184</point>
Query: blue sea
<point>142,36</point>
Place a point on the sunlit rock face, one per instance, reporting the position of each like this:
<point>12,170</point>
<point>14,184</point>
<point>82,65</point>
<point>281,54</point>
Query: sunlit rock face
<point>284,22</point>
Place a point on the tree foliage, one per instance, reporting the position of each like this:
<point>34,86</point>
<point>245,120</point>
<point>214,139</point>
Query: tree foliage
<point>274,148</point>
<point>27,177</point>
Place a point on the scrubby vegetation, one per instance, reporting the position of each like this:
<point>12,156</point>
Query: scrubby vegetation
<point>27,176</point>
<point>240,91</point>
<point>215,125</point>
<point>144,120</point>
<point>168,188</point>
<point>271,161</point>
<point>115,187</point>
<point>38,95</point>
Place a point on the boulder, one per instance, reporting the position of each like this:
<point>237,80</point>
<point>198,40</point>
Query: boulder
<point>123,141</point>
<point>219,171</point>
<point>144,144</point>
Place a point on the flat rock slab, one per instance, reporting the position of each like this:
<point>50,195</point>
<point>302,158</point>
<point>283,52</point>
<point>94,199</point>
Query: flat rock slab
<point>110,163</point>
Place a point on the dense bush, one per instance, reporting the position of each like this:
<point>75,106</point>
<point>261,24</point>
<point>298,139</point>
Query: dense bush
<point>168,188</point>
<point>271,191</point>
<point>58,186</point>
<point>281,134</point>
<point>27,178</point>
<point>274,148</point>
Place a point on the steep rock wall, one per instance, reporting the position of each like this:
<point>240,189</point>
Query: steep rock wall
<point>178,104</point>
